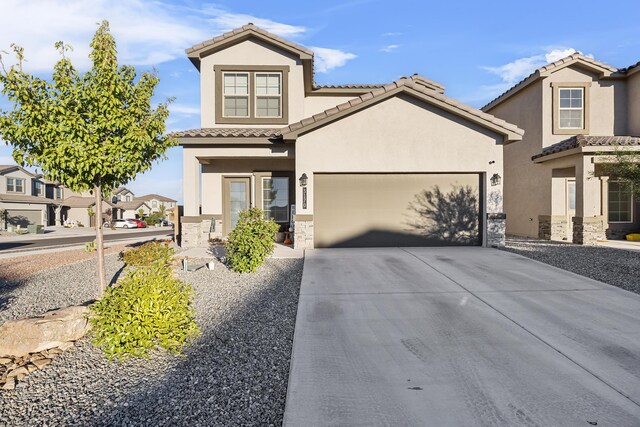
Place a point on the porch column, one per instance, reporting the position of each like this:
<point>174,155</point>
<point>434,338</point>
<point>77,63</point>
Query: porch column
<point>190,223</point>
<point>588,224</point>
<point>58,212</point>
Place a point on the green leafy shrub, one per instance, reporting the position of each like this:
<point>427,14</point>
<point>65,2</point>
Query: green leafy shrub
<point>251,241</point>
<point>148,308</point>
<point>147,254</point>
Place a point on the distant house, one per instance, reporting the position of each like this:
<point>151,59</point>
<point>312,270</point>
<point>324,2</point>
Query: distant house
<point>27,198</point>
<point>123,194</point>
<point>155,201</point>
<point>77,210</point>
<point>131,209</point>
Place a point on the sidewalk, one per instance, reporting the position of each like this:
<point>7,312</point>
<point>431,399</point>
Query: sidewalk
<point>58,232</point>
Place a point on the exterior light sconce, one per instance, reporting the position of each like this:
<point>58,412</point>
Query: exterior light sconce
<point>495,179</point>
<point>303,183</point>
<point>303,180</point>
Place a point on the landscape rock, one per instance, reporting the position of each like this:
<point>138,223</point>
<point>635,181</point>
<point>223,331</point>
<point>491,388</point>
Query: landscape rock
<point>53,329</point>
<point>41,363</point>
<point>10,384</point>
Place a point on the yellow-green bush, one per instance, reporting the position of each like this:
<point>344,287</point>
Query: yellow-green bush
<point>251,241</point>
<point>147,254</point>
<point>148,308</point>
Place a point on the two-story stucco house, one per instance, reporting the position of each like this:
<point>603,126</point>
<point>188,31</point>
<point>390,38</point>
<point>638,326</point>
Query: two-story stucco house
<point>156,201</point>
<point>349,165</point>
<point>573,112</point>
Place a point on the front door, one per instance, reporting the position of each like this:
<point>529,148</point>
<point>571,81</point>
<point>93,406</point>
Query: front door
<point>236,198</point>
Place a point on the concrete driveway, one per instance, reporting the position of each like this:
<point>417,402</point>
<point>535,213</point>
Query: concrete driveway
<point>460,337</point>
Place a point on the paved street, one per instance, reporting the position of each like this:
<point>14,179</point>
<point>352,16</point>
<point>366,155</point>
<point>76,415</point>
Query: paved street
<point>29,242</point>
<point>460,337</point>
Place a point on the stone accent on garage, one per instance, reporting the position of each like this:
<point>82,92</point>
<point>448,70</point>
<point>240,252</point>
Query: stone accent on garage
<point>496,226</point>
<point>588,230</point>
<point>552,227</point>
<point>303,236</point>
<point>196,231</point>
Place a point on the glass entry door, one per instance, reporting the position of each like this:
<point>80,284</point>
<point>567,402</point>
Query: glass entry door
<point>237,196</point>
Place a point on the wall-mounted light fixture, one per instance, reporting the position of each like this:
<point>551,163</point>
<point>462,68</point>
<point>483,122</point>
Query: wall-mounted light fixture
<point>495,179</point>
<point>303,180</point>
<point>492,162</point>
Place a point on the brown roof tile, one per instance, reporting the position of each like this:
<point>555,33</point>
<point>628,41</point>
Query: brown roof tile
<point>229,133</point>
<point>588,141</point>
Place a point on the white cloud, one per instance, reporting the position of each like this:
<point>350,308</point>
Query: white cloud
<point>327,59</point>
<point>391,34</point>
<point>390,48</point>
<point>520,68</point>
<point>182,109</point>
<point>516,70</point>
<point>225,21</point>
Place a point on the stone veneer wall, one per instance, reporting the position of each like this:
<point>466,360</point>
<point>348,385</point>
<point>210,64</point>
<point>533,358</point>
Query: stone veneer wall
<point>195,233</point>
<point>588,230</point>
<point>496,226</point>
<point>303,236</point>
<point>552,227</point>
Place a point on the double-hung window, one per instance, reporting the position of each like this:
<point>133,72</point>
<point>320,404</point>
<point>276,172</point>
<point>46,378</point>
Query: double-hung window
<point>15,185</point>
<point>38,188</point>
<point>620,201</point>
<point>571,108</point>
<point>275,198</point>
<point>58,193</point>
<point>236,95</point>
<point>268,94</point>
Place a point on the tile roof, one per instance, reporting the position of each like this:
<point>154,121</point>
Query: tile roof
<point>588,141</point>
<point>349,86</point>
<point>229,133</point>
<point>546,69</point>
<point>26,198</point>
<point>250,27</point>
<point>134,204</point>
<point>157,197</point>
<point>4,168</point>
<point>415,82</point>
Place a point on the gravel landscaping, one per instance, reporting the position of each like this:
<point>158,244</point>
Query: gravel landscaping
<point>235,373</point>
<point>617,267</point>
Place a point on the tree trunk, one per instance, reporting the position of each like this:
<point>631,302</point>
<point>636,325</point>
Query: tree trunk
<point>100,241</point>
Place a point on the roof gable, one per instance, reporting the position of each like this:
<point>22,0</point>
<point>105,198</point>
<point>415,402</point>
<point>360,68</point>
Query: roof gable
<point>577,59</point>
<point>415,86</point>
<point>246,32</point>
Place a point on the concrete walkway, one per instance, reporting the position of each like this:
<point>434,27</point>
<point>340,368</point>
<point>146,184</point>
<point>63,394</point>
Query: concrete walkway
<point>460,337</point>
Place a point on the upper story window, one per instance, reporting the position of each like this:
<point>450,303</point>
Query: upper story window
<point>571,108</point>
<point>38,188</point>
<point>247,94</point>
<point>268,94</point>
<point>58,193</point>
<point>128,198</point>
<point>154,204</point>
<point>236,94</point>
<point>15,185</point>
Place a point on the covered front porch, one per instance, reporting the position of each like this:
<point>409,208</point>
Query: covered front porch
<point>586,206</point>
<point>221,180</point>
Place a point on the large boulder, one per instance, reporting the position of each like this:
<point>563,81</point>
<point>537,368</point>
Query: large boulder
<point>53,329</point>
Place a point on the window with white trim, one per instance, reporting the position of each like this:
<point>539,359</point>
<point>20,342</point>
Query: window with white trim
<point>58,193</point>
<point>620,201</point>
<point>268,94</point>
<point>275,198</point>
<point>38,188</point>
<point>571,108</point>
<point>236,95</point>
<point>15,185</point>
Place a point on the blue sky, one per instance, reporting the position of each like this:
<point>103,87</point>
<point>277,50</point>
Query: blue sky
<point>477,49</point>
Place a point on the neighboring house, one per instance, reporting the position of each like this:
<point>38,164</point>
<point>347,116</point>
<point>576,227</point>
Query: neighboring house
<point>123,194</point>
<point>76,210</point>
<point>399,164</point>
<point>27,198</point>
<point>131,209</point>
<point>155,201</point>
<point>573,112</point>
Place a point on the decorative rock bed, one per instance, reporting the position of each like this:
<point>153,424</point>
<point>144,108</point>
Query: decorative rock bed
<point>30,344</point>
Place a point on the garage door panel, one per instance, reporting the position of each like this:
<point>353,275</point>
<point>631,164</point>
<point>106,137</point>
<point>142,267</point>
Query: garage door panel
<point>364,210</point>
<point>24,217</point>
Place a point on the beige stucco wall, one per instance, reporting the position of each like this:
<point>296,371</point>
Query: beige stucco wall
<point>400,134</point>
<point>316,104</point>
<point>192,158</point>
<point>606,97</point>
<point>213,173</point>
<point>521,175</point>
<point>19,175</point>
<point>633,100</point>
<point>249,52</point>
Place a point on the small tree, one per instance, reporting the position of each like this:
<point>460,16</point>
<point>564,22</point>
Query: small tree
<point>163,209</point>
<point>140,213</point>
<point>94,131</point>
<point>624,165</point>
